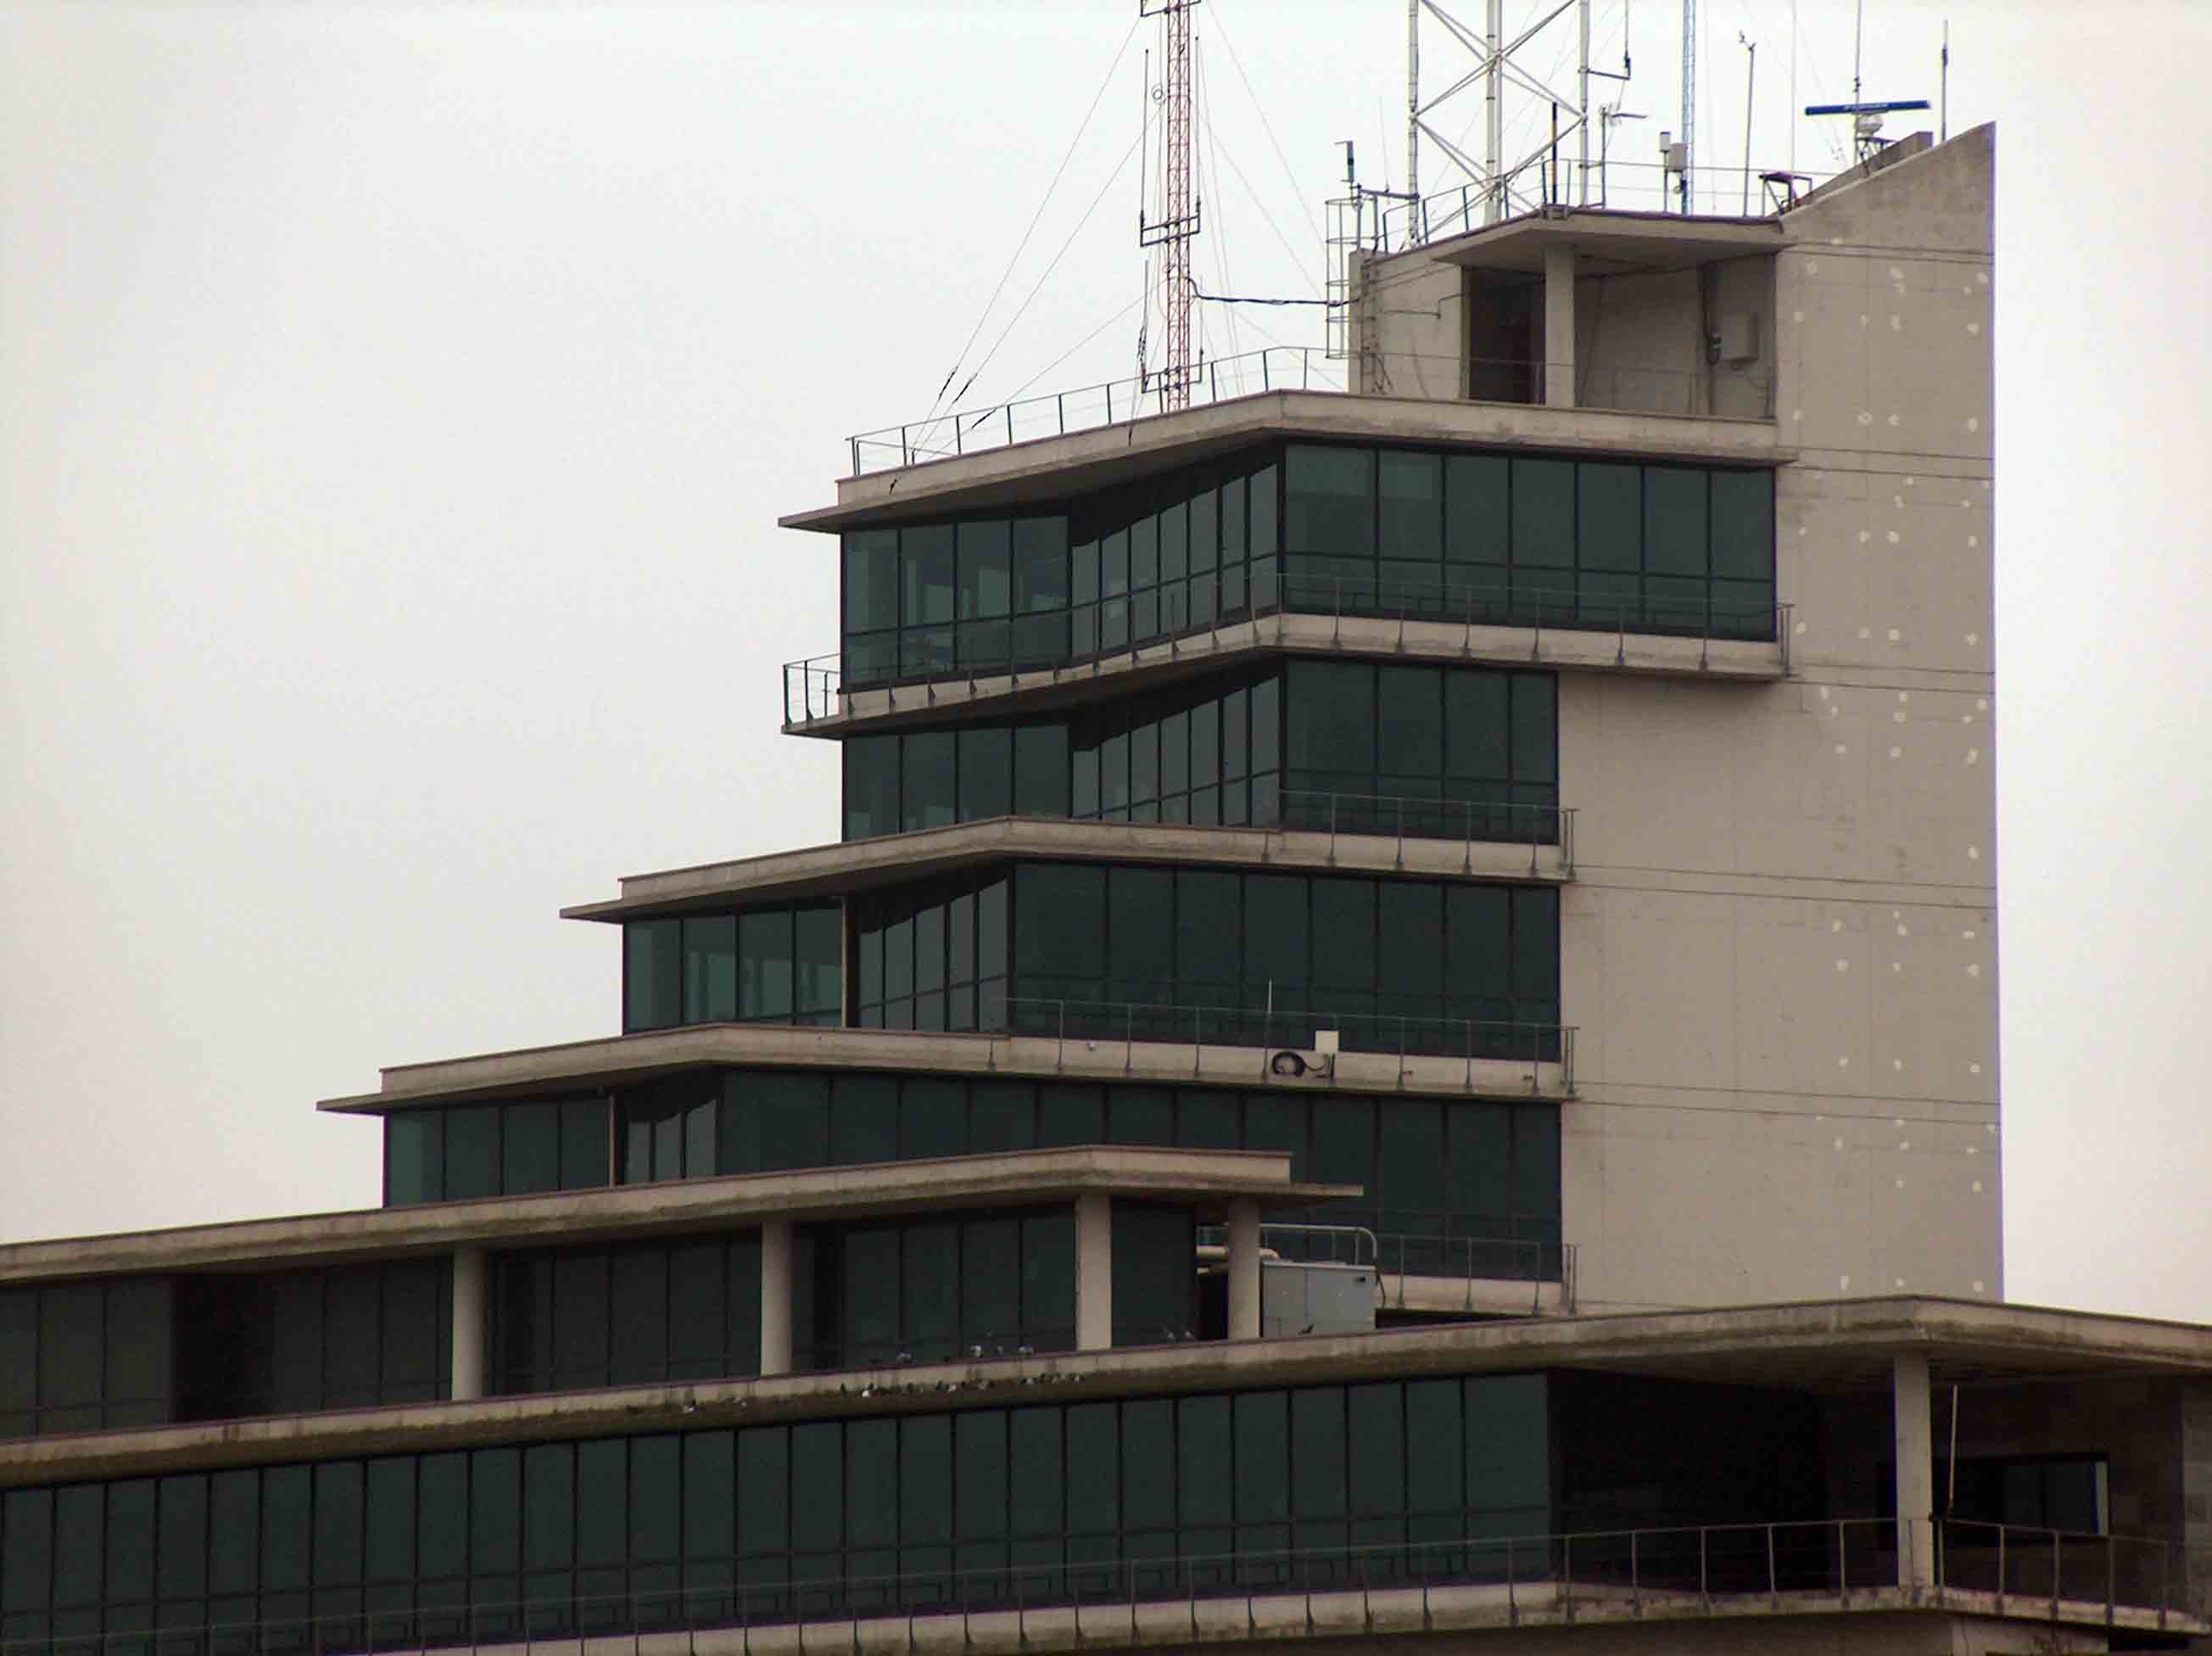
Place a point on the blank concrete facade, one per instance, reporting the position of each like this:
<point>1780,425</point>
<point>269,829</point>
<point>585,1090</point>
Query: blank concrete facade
<point>1781,946</point>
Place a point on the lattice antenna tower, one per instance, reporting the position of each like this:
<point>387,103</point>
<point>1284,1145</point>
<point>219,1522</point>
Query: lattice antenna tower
<point>1171,233</point>
<point>1502,73</point>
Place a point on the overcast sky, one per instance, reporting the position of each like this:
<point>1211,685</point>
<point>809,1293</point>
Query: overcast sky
<point>396,402</point>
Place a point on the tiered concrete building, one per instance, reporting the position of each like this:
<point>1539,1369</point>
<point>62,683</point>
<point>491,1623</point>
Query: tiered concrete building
<point>1399,1045</point>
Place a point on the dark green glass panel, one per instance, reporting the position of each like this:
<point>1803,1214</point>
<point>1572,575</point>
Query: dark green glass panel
<point>1477,725</point>
<point>638,1334</point>
<point>925,1480</point>
<point>929,1291</point>
<point>1040,770</point>
<point>926,565</point>
<point>1059,940</point>
<point>1040,555</point>
<point>472,1151</point>
<point>1093,1465</point>
<point>580,1320</point>
<point>819,936</point>
<point>1434,1460</point>
<point>868,1294</point>
<point>27,1550</point>
<point>1265,489</point>
<point>652,974</point>
<point>764,965</point>
<point>1536,945</point>
<point>1507,1444</point>
<point>1674,537</point>
<point>529,1148</point>
<point>871,786</point>
<point>587,1144</point>
<point>1141,1115</point>
<point>1476,524</point>
<point>1154,1255</point>
<point>987,772</point>
<point>1317,1470</point>
<point>141,1361</point>
<point>763,1509</point>
<point>794,1119</point>
<point>986,568</point>
<point>872,1505</point>
<point>1206,934</point>
<point>1477,942</point>
<point>1544,513</point>
<point>1208,1119</point>
<point>1482,1167</point>
<point>72,1323</point>
<point>1536,1189</point>
<point>414,1157</point>
<point>1263,1457</point>
<point>655,1498</point>
<point>1048,1257</point>
<point>818,1480</point>
<point>1274,934</point>
<point>1148,1471</point>
<point>287,1526</point>
<point>928,780</point>
<point>351,1319</point>
<point>602,1502</point>
<point>234,1527</point>
<point>1001,1116</point>
<point>1344,1142</point>
<point>1344,922</point>
<point>1535,746</point>
<point>1409,748</point>
<point>709,1494</point>
<point>710,969</point>
<point>1412,487</point>
<point>1412,919</point>
<point>864,1120</point>
<point>129,1549</point>
<point>388,1519</point>
<point>182,1507</point>
<point>1410,1167</point>
<point>990,1286</point>
<point>979,1481</point>
<point>1036,1481</point>
<point>1140,933</point>
<point>1609,530</point>
<point>871,595</point>
<point>1743,525</point>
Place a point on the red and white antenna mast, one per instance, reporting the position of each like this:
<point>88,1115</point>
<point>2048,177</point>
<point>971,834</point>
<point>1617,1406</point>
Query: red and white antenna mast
<point>1173,231</point>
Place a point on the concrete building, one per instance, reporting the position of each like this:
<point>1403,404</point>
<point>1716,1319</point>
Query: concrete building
<point>1399,1045</point>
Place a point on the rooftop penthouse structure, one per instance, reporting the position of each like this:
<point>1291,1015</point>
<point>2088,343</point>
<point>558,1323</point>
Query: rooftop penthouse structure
<point>1399,1042</point>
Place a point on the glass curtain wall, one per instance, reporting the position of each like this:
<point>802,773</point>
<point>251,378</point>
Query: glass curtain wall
<point>572,1318</point>
<point>1450,752</point>
<point>939,1289</point>
<point>284,1343</point>
<point>932,956</point>
<point>1360,530</point>
<point>1480,1178</point>
<point>86,1356</point>
<point>783,964</point>
<point>461,1152</point>
<point>822,1518</point>
<point>1108,951</point>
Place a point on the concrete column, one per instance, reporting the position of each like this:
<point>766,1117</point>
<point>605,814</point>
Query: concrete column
<point>1094,1272</point>
<point>1244,1270</point>
<point>775,1297</point>
<point>1559,327</point>
<point>470,1295</point>
<point>1916,1471</point>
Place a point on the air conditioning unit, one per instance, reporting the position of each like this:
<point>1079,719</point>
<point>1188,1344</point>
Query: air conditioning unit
<point>1315,1063</point>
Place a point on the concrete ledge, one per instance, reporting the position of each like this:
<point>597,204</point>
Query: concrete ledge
<point>1206,1179</point>
<point>857,864</point>
<point>1480,1296</point>
<point>1945,1619</point>
<point>1836,1346</point>
<point>616,1060</point>
<point>1060,467</point>
<point>1652,655</point>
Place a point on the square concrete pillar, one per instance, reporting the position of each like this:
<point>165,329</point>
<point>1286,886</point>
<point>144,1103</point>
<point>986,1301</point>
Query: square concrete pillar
<point>1915,1470</point>
<point>1559,327</point>
<point>1244,1270</point>
<point>1094,1272</point>
<point>775,1297</point>
<point>471,1296</point>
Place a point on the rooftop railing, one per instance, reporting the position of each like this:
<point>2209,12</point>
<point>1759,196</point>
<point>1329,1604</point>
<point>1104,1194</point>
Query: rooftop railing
<point>942,437</point>
<point>1817,1567</point>
<point>816,688</point>
<point>1273,1031</point>
<point>1598,383</point>
<point>1492,1252</point>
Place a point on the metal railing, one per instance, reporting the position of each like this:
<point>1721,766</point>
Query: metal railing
<point>1386,816</point>
<point>1328,1245</point>
<point>1277,368</point>
<point>1815,1566</point>
<point>816,687</point>
<point>1472,1259</point>
<point>1168,1023</point>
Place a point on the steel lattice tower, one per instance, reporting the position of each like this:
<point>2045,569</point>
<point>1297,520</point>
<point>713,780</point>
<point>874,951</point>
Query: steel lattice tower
<point>1177,225</point>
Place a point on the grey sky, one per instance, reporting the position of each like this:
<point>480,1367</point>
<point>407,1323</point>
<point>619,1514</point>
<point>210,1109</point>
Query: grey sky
<point>396,402</point>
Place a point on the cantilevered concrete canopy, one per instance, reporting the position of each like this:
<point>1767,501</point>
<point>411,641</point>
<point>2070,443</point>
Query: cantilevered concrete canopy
<point>857,865</point>
<point>584,1066</point>
<point>1205,1180</point>
<point>1607,242</point>
<point>1055,468</point>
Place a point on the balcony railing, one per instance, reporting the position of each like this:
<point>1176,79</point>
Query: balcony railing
<point>1823,1567</point>
<point>1497,1253</point>
<point>942,437</point>
<point>816,688</point>
<point>1131,1022</point>
<point>1391,816</point>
